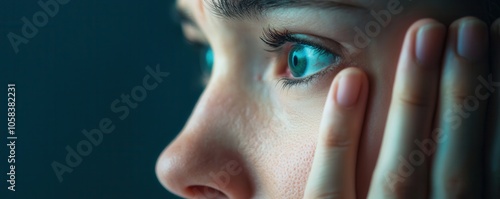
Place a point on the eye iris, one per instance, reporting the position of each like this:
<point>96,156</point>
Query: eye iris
<point>207,57</point>
<point>297,61</point>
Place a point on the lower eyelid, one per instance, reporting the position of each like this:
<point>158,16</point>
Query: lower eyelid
<point>287,83</point>
<point>282,51</point>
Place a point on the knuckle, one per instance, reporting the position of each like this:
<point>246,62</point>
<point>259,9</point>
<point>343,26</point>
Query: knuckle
<point>400,190</point>
<point>468,18</point>
<point>414,100</point>
<point>456,186</point>
<point>327,195</point>
<point>396,184</point>
<point>459,95</point>
<point>337,138</point>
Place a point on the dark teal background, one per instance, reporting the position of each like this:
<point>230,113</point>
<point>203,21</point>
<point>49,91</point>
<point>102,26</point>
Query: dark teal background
<point>66,78</point>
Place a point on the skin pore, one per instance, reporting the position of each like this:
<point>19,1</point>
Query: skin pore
<point>259,126</point>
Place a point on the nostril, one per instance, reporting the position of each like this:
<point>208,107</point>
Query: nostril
<point>206,192</point>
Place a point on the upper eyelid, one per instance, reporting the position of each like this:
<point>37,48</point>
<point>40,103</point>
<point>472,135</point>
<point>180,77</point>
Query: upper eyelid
<point>287,83</point>
<point>275,39</point>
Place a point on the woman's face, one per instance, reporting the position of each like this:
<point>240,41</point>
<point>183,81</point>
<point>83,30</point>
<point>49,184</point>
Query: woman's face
<point>253,131</point>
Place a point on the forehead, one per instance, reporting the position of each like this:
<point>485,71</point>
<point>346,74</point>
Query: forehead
<point>197,10</point>
<point>188,4</point>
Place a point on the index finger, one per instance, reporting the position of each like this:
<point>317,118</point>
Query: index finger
<point>333,168</point>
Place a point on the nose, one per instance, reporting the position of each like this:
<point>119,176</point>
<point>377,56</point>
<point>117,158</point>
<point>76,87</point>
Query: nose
<point>204,160</point>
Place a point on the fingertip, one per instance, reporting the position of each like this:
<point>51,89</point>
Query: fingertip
<point>496,26</point>
<point>347,97</point>
<point>348,91</point>
<point>469,38</point>
<point>424,22</point>
<point>350,84</point>
<point>495,29</point>
<point>423,45</point>
<point>429,44</point>
<point>353,71</point>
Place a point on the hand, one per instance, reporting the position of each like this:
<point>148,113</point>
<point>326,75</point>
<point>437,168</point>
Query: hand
<point>433,139</point>
<point>493,132</point>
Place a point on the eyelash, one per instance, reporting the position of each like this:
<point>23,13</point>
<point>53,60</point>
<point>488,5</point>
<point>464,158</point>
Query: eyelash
<point>276,39</point>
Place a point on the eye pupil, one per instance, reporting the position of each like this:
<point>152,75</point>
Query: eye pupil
<point>297,61</point>
<point>305,60</point>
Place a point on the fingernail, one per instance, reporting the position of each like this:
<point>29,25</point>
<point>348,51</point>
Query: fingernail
<point>472,40</point>
<point>429,44</point>
<point>348,90</point>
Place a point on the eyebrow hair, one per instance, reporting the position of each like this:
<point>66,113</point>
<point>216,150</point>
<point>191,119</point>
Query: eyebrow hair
<point>248,9</point>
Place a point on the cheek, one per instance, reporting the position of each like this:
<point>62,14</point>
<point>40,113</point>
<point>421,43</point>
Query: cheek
<point>288,165</point>
<point>295,162</point>
<point>290,142</point>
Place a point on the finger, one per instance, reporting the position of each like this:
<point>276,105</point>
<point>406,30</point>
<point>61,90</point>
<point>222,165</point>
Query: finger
<point>400,170</point>
<point>456,171</point>
<point>332,174</point>
<point>493,161</point>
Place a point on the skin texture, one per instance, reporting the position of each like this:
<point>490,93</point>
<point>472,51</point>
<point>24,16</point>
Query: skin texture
<point>254,139</point>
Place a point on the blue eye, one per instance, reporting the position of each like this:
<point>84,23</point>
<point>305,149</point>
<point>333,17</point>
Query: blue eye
<point>305,60</point>
<point>207,59</point>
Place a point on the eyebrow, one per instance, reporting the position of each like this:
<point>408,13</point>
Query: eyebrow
<point>251,9</point>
